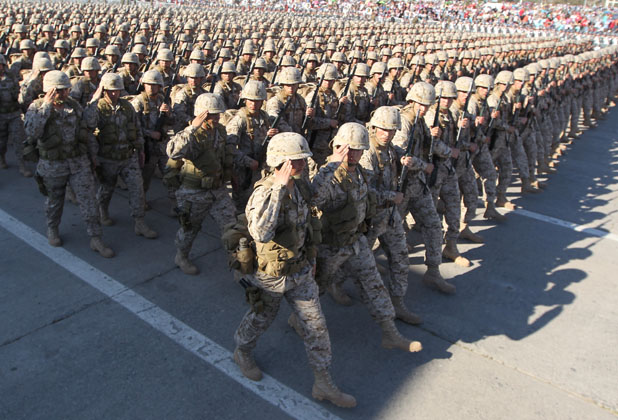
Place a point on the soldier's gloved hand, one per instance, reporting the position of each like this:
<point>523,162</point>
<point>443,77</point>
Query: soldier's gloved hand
<point>165,108</point>
<point>435,131</point>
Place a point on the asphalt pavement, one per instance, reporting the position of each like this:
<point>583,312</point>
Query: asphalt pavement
<point>531,333</point>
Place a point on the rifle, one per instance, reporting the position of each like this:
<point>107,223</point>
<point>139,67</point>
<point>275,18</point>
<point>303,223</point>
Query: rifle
<point>462,117</point>
<point>214,80</point>
<point>247,77</point>
<point>404,170</point>
<point>436,120</point>
<point>345,92</point>
<point>146,65</point>
<point>240,46</point>
<point>479,131</point>
<point>67,58</point>
<point>277,119</point>
<point>520,99</point>
<point>490,126</point>
<point>277,68</point>
<point>312,105</point>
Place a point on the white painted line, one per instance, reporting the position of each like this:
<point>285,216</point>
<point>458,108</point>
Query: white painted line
<point>569,225</point>
<point>269,389</point>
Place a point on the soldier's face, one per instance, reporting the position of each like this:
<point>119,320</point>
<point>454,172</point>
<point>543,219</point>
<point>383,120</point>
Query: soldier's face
<point>112,95</point>
<point>353,157</point>
<point>132,67</point>
<point>461,97</point>
<point>482,91</point>
<point>290,89</point>
<point>253,105</point>
<point>298,165</point>
<point>445,103</point>
<point>421,109</point>
<point>194,81</point>
<point>91,74</point>
<point>227,77</point>
<point>151,90</point>
<point>383,136</point>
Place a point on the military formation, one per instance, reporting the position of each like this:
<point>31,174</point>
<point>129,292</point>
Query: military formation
<point>312,142</point>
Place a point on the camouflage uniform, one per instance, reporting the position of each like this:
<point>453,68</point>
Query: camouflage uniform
<point>206,166</point>
<point>183,101</point>
<point>293,118</point>
<point>230,92</point>
<point>62,139</point>
<point>147,110</point>
<point>270,208</point>
<point>82,90</point>
<point>481,160</point>
<point>349,250</point>
<point>380,165</point>
<point>245,134</point>
<point>501,153</point>
<point>29,91</point>
<point>357,109</point>
<point>446,186</point>
<point>416,197</point>
<point>119,143</point>
<point>130,82</point>
<point>321,130</point>
<point>11,124</point>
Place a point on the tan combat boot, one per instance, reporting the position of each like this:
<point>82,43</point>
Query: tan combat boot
<point>96,244</point>
<point>526,187</point>
<point>433,278</point>
<point>186,266</point>
<point>105,219</point>
<point>492,213</point>
<point>466,233</point>
<point>325,389</point>
<point>403,314</point>
<point>141,228</point>
<point>247,365</point>
<point>339,295</point>
<point>295,323</point>
<point>391,339</point>
<point>450,252</point>
<point>502,201</point>
<point>53,237</point>
<point>3,164</point>
<point>24,170</point>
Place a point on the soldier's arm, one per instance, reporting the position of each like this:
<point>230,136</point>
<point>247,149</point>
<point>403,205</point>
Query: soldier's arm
<point>183,145</point>
<point>317,123</point>
<point>24,96</point>
<point>274,108</point>
<point>35,119</point>
<point>263,211</point>
<point>369,164</point>
<point>235,129</point>
<point>321,184</point>
<point>179,110</point>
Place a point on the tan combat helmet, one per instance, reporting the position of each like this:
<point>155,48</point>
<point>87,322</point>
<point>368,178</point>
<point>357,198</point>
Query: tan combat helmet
<point>112,81</point>
<point>353,134</point>
<point>422,93</point>
<point>447,89</point>
<point>152,77</point>
<point>386,118</point>
<point>286,146</point>
<point>210,102</point>
<point>55,79</point>
<point>254,90</point>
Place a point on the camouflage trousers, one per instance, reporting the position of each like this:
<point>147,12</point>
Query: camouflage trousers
<point>518,154</point>
<point>242,186</point>
<point>358,262</point>
<point>587,108</point>
<point>484,166</point>
<point>528,138</point>
<point>302,294</point>
<point>128,170</point>
<point>468,188</point>
<point>393,243</point>
<point>194,205</point>
<point>575,111</point>
<point>12,129</point>
<point>447,190</point>
<point>76,173</point>
<point>154,154</point>
<point>501,156</point>
<point>421,205</point>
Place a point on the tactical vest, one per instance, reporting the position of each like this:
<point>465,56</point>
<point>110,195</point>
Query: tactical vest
<point>7,103</point>
<point>341,227</point>
<point>110,145</point>
<point>52,146</point>
<point>284,255</point>
<point>206,171</point>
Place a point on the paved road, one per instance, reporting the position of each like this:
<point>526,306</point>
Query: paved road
<point>531,333</point>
